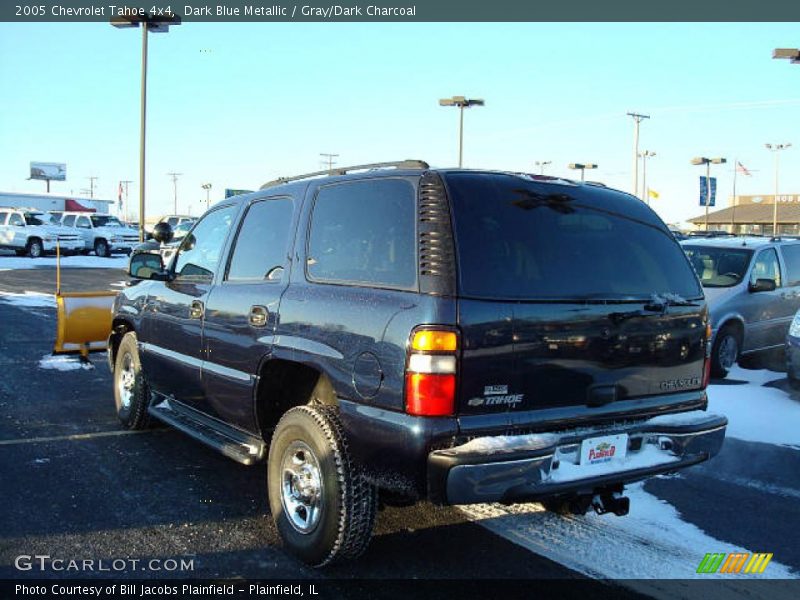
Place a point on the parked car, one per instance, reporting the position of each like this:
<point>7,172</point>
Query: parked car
<point>166,249</point>
<point>450,335</point>
<point>752,286</point>
<point>31,232</point>
<point>172,220</point>
<point>103,234</point>
<point>793,352</point>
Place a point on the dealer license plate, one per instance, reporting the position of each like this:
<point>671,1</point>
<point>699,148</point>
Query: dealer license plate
<point>598,450</point>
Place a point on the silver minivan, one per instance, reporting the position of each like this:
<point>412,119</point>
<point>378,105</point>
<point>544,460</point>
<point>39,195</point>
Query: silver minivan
<point>753,290</point>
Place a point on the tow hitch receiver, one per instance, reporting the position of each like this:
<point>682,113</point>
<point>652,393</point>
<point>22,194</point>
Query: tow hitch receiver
<point>611,502</point>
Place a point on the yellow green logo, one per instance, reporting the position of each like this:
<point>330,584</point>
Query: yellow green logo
<point>735,562</point>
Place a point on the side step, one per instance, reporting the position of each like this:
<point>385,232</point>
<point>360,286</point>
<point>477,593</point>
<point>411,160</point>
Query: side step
<point>231,442</point>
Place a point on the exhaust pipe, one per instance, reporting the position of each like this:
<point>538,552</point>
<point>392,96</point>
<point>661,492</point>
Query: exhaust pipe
<point>611,502</point>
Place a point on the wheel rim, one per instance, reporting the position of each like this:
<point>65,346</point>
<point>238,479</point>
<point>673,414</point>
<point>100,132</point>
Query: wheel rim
<point>301,487</point>
<point>101,250</point>
<point>36,250</point>
<point>127,381</point>
<point>728,349</point>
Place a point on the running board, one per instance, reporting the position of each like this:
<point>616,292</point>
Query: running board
<point>231,442</point>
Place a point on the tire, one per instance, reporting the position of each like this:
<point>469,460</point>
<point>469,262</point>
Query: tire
<point>333,522</point>
<point>101,249</point>
<point>131,394</point>
<point>725,351</point>
<point>34,249</point>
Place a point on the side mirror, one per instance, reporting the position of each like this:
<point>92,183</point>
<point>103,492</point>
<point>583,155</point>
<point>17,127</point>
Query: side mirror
<point>147,265</point>
<point>162,233</point>
<point>763,285</point>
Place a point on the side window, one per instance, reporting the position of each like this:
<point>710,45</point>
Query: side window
<point>201,250</point>
<point>16,219</point>
<point>3,217</point>
<point>364,232</point>
<point>791,256</point>
<point>83,223</point>
<point>766,267</point>
<point>69,221</point>
<point>260,250</point>
<point>172,221</point>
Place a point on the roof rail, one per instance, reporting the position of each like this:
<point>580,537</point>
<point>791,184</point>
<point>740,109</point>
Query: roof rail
<point>398,164</point>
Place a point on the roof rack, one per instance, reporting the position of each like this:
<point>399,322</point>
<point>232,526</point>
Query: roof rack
<point>398,164</point>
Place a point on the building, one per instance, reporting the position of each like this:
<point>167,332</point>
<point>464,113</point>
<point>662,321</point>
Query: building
<point>55,202</point>
<point>754,214</point>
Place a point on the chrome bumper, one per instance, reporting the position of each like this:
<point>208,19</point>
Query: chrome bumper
<point>529,467</point>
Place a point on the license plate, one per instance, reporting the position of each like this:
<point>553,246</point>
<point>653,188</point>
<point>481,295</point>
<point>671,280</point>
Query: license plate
<point>598,450</point>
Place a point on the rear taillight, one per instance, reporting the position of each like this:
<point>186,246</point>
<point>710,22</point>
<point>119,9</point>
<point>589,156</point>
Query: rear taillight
<point>431,373</point>
<point>707,362</point>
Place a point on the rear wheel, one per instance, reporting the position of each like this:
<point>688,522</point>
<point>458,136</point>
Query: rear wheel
<point>35,249</point>
<point>101,248</point>
<point>131,394</point>
<point>323,507</point>
<point>725,351</point>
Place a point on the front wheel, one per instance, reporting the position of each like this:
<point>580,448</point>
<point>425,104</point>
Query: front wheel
<point>323,507</point>
<point>131,394</point>
<point>35,248</point>
<point>725,351</point>
<point>101,249</point>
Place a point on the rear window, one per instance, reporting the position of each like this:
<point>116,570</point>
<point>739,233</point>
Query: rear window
<point>517,239</point>
<point>717,266</point>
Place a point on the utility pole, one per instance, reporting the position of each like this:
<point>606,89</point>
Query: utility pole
<point>328,158</point>
<point>542,164</point>
<point>775,149</point>
<point>637,118</point>
<point>175,189</point>
<point>92,179</point>
<point>125,206</point>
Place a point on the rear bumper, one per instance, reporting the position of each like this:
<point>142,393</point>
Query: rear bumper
<point>530,467</point>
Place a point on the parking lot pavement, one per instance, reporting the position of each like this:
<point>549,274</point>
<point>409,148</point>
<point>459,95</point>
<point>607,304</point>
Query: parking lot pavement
<point>78,487</point>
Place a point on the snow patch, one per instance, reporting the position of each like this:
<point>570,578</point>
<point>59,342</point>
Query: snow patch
<point>29,299</point>
<point>757,413</point>
<point>64,363</point>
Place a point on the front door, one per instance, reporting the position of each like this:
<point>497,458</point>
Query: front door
<point>766,311</point>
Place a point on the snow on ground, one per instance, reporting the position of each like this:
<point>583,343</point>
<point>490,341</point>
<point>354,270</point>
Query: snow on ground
<point>63,363</point>
<point>28,299</point>
<point>650,542</point>
<point>757,413</point>
<point>118,261</point>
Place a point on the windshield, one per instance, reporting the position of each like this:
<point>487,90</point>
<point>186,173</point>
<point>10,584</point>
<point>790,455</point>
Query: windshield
<point>719,267</point>
<point>105,221</point>
<point>520,240</point>
<point>39,219</point>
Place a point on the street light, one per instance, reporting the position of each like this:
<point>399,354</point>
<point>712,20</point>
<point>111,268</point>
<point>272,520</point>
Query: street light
<point>702,160</point>
<point>461,102</point>
<point>793,54</point>
<point>637,119</point>
<point>156,24</point>
<point>645,192</point>
<point>582,167</point>
<point>775,149</point>
<point>542,164</point>
<point>207,188</point>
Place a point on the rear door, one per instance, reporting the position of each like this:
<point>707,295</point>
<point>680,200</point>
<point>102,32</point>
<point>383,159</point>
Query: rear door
<point>556,300</point>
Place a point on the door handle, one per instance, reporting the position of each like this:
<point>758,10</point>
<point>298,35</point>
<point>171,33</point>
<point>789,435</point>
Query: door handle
<point>196,309</point>
<point>258,316</point>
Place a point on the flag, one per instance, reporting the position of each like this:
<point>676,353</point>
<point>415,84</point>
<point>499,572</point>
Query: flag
<point>652,193</point>
<point>741,169</point>
<point>119,195</point>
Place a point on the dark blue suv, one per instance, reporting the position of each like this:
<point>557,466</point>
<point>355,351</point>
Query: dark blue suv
<point>413,333</point>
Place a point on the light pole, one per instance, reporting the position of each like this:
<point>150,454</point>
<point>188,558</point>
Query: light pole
<point>775,149</point>
<point>542,164</point>
<point>637,118</point>
<point>702,160</point>
<point>155,24</point>
<point>461,102</point>
<point>645,192</point>
<point>582,167</point>
<point>207,188</point>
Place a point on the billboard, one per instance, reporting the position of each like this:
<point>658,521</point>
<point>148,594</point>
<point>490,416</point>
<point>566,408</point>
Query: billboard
<point>49,171</point>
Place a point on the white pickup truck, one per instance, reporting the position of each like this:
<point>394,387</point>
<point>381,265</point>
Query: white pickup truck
<point>102,233</point>
<point>34,233</point>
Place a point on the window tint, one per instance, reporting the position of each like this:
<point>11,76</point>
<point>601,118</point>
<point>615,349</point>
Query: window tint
<point>364,232</point>
<point>766,267</point>
<point>791,256</point>
<point>518,239</point>
<point>260,250</point>
<point>200,252</point>
<point>69,220</point>
<point>16,219</point>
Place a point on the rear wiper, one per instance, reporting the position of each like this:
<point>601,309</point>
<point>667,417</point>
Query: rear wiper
<point>655,307</point>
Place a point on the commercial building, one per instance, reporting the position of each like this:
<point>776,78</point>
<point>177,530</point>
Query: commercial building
<point>55,202</point>
<point>754,214</point>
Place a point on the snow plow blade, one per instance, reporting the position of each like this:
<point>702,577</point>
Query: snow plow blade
<point>84,321</point>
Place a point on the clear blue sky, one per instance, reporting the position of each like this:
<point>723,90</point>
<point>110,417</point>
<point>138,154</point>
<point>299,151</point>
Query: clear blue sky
<point>239,104</point>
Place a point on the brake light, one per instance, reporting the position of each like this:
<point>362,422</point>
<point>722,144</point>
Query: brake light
<point>707,361</point>
<point>430,385</point>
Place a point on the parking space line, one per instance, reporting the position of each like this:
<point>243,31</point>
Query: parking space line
<point>74,437</point>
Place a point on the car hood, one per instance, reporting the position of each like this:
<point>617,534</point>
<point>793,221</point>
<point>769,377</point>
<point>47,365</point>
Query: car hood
<point>115,232</point>
<point>715,296</point>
